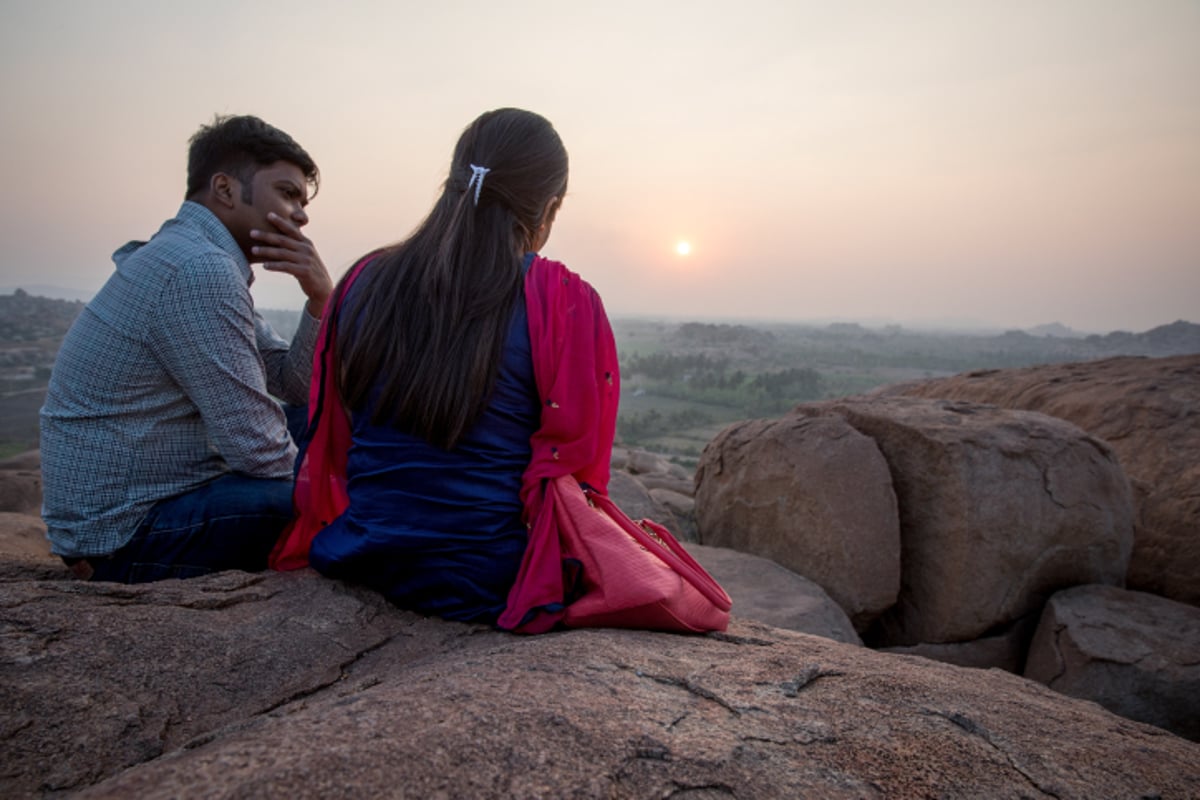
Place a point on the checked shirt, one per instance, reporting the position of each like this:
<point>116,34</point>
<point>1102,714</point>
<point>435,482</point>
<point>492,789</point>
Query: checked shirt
<point>163,383</point>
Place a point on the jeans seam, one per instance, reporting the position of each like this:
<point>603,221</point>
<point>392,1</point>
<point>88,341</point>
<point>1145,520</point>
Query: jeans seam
<point>156,531</point>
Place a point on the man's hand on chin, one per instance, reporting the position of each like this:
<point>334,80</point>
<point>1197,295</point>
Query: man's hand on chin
<point>288,250</point>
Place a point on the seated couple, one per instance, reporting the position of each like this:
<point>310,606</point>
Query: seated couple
<point>455,372</point>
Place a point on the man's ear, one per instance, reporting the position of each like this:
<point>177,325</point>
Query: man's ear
<point>223,189</point>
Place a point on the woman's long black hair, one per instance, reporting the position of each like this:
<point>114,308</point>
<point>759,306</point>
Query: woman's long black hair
<point>426,323</point>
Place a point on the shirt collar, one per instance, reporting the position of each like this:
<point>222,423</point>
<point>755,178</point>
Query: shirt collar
<point>214,230</point>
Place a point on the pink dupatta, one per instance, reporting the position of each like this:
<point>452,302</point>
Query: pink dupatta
<point>319,496</point>
<point>575,366</point>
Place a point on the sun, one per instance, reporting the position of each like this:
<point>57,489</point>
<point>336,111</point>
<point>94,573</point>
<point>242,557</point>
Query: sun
<point>683,248</point>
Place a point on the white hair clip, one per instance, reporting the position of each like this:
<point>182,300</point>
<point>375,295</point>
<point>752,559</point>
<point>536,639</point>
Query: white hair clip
<point>477,174</point>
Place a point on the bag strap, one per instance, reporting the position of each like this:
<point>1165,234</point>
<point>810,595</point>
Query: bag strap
<point>659,540</point>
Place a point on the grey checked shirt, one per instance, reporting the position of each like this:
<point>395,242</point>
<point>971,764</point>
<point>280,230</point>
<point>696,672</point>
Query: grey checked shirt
<point>163,383</point>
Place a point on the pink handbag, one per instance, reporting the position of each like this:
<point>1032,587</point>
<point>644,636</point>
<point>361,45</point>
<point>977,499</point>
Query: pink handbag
<point>634,575</point>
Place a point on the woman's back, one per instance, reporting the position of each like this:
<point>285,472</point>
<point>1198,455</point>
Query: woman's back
<point>436,530</point>
<point>436,371</point>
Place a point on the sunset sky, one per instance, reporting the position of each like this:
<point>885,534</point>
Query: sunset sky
<point>1000,164</point>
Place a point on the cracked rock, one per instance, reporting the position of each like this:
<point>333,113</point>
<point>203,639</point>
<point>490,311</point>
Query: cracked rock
<point>1136,654</point>
<point>300,687</point>
<point>1148,410</point>
<point>998,510</point>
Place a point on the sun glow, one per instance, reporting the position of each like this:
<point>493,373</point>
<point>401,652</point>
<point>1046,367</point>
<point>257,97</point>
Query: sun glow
<point>683,248</point>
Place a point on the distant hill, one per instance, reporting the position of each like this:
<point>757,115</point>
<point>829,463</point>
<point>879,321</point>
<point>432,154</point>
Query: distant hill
<point>1056,329</point>
<point>26,318</point>
<point>778,344</point>
<point>1177,339</point>
<point>841,357</point>
<point>283,320</point>
<point>49,291</point>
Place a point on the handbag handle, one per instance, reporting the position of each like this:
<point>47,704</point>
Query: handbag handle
<point>668,547</point>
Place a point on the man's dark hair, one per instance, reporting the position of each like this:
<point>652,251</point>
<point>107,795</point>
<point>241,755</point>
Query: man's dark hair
<point>240,146</point>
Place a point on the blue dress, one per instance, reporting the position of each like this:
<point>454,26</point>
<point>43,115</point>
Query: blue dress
<point>439,531</point>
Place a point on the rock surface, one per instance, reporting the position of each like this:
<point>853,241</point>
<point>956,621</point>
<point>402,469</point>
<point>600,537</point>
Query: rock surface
<point>29,460</point>
<point>1148,409</point>
<point>765,592</point>
<point>1005,649</point>
<point>646,484</point>
<point>813,495</point>
<point>633,498</point>
<point>998,510</point>
<point>21,484</point>
<point>294,686</point>
<point>23,535</point>
<point>1136,654</point>
<point>682,507</point>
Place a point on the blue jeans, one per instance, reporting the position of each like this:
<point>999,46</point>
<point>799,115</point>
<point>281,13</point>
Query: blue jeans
<point>229,523</point>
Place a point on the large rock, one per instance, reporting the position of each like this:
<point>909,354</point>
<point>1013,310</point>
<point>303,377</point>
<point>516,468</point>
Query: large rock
<point>654,487</point>
<point>637,503</point>
<point>97,677</point>
<point>669,482</point>
<point>30,460</point>
<point>291,686</point>
<point>1005,649</point>
<point>1136,654</point>
<point>1148,409</point>
<point>682,507</point>
<point>23,535</point>
<point>21,491</point>
<point>765,592</point>
<point>998,510</point>
<point>812,495</point>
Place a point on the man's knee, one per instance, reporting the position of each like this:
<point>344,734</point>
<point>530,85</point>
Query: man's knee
<point>235,495</point>
<point>276,498</point>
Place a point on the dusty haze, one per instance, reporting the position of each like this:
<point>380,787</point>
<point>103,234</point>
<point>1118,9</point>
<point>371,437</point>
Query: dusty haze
<point>999,164</point>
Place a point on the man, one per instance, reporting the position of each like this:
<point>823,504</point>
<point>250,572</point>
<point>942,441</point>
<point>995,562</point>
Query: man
<point>164,453</point>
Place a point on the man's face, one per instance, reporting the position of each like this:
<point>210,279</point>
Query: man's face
<point>278,187</point>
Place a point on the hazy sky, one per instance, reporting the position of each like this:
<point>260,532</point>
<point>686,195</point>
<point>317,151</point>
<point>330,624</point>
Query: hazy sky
<point>1000,163</point>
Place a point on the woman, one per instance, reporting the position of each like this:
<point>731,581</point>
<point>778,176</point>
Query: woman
<point>471,371</point>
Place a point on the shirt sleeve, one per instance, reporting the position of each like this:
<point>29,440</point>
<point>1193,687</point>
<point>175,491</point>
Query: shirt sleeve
<point>288,367</point>
<point>206,338</point>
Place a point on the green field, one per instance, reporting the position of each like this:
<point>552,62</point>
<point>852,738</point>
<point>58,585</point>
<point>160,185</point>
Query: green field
<point>682,382</point>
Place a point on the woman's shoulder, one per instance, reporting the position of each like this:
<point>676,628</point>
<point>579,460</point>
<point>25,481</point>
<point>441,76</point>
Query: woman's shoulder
<point>551,274</point>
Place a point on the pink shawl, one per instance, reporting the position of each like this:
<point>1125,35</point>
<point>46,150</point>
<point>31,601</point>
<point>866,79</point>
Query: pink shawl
<point>575,366</point>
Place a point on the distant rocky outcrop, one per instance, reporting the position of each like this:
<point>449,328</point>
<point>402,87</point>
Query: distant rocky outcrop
<point>1178,338</point>
<point>1148,410</point>
<point>292,685</point>
<point>26,318</point>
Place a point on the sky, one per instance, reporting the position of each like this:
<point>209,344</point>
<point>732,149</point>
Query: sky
<point>961,163</point>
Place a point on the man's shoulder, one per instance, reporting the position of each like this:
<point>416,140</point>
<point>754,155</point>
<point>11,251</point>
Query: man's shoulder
<point>193,238</point>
